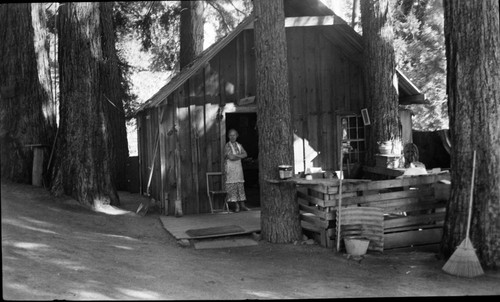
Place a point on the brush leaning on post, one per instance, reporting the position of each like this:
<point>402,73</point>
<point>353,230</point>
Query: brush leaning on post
<point>464,262</point>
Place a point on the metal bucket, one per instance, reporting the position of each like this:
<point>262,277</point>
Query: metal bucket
<point>356,246</point>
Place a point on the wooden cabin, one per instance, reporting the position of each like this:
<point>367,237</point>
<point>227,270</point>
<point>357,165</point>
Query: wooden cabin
<point>216,92</point>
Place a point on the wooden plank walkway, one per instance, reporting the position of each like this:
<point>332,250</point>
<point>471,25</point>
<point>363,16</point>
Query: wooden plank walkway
<point>249,221</point>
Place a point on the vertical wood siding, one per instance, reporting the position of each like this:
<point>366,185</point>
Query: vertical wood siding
<point>323,84</point>
<point>167,155</point>
<point>148,130</point>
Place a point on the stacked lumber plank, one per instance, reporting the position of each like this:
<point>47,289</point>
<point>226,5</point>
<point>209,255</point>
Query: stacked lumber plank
<point>412,214</point>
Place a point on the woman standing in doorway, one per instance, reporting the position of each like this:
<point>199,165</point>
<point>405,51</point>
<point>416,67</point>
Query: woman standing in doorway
<point>235,189</point>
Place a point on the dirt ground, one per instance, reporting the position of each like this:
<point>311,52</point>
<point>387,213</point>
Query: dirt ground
<point>52,248</point>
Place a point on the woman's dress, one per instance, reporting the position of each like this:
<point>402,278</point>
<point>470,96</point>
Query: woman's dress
<point>234,173</point>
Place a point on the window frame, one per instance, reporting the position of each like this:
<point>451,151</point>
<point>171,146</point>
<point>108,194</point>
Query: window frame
<point>357,155</point>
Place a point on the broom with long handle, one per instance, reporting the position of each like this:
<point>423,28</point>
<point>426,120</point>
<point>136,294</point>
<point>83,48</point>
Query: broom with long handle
<point>464,262</point>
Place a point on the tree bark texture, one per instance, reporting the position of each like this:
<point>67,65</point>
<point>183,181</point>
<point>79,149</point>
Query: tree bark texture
<point>27,113</point>
<point>472,35</point>
<point>279,207</point>
<point>191,32</point>
<point>114,93</point>
<point>83,167</point>
<point>380,77</point>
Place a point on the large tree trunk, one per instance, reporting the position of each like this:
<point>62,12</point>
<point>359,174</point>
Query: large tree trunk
<point>279,208</point>
<point>114,93</point>
<point>472,37</point>
<point>191,32</point>
<point>27,113</point>
<point>379,73</point>
<point>83,167</point>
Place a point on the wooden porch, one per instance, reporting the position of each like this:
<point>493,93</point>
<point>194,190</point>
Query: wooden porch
<point>200,226</point>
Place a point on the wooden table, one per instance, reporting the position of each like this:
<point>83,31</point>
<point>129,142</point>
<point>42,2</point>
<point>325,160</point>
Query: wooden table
<point>325,182</point>
<point>392,172</point>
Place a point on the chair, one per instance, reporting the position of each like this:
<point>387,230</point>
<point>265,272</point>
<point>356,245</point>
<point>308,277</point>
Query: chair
<point>211,192</point>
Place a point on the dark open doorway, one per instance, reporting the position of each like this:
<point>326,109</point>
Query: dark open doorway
<point>246,125</point>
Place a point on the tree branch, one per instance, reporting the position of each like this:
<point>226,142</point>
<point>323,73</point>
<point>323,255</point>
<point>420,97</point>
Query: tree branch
<point>220,10</point>
<point>238,10</point>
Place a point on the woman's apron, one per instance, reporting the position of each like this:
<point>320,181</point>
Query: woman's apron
<point>234,169</point>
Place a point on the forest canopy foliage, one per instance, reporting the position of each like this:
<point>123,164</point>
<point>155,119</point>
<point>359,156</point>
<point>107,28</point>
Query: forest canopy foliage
<point>420,54</point>
<point>147,34</point>
<point>154,25</point>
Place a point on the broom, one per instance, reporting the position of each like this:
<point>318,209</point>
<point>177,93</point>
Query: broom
<point>464,262</point>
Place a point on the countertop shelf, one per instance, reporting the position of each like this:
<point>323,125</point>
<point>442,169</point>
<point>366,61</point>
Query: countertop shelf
<point>334,182</point>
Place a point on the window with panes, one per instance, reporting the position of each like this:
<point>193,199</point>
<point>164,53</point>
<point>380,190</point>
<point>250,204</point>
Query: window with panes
<point>353,138</point>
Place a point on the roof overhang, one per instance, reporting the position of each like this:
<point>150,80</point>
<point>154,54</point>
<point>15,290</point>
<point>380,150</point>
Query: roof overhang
<point>200,61</point>
<point>409,93</point>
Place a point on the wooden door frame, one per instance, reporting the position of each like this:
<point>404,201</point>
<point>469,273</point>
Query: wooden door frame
<point>230,108</point>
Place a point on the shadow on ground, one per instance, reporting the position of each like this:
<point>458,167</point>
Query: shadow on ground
<point>52,248</point>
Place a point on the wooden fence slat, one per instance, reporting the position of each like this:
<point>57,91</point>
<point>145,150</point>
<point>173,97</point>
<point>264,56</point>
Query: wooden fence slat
<point>412,220</point>
<point>406,205</point>
<point>310,227</point>
<point>322,224</point>
<point>362,210</point>
<point>316,194</point>
<point>404,239</point>
<point>346,200</point>
<point>334,197</point>
<point>395,183</point>
<point>311,199</point>
<point>438,223</point>
<point>369,222</point>
<point>317,188</point>
<point>315,211</point>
